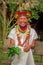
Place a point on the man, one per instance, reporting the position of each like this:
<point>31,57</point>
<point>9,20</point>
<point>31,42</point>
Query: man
<point>24,37</point>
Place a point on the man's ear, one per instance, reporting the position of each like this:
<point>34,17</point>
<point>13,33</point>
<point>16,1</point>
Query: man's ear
<point>17,19</point>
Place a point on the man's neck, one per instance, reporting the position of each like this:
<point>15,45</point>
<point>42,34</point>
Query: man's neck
<point>22,29</point>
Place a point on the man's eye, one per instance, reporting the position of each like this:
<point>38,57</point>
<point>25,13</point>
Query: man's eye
<point>21,18</point>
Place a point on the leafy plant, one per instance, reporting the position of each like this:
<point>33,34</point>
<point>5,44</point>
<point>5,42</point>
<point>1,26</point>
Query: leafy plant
<point>12,6</point>
<point>39,6</point>
<point>1,18</point>
<point>35,14</point>
<point>13,51</point>
<point>6,21</point>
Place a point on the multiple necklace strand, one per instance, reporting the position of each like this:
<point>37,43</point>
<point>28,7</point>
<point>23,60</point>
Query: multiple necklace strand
<point>19,37</point>
<point>22,29</point>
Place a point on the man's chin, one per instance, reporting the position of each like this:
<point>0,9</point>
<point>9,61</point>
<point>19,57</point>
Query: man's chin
<point>22,25</point>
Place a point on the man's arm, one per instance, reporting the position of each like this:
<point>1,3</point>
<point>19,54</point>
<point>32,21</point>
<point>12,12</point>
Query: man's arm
<point>33,44</point>
<point>28,47</point>
<point>11,42</point>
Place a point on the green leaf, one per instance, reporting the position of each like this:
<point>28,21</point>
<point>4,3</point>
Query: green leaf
<point>33,11</point>
<point>18,50</point>
<point>38,3</point>
<point>12,6</point>
<point>40,6</point>
<point>30,20</point>
<point>14,50</point>
<point>35,14</point>
<point>1,18</point>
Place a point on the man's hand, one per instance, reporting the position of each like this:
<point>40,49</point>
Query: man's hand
<point>11,42</point>
<point>27,48</point>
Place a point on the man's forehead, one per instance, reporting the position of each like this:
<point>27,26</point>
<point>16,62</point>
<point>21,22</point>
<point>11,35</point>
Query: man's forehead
<point>22,16</point>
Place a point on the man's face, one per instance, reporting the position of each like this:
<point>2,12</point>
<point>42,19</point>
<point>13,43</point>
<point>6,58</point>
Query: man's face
<point>22,20</point>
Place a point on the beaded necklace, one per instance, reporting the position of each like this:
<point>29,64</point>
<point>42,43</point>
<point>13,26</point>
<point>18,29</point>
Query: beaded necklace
<point>23,29</point>
<point>27,34</point>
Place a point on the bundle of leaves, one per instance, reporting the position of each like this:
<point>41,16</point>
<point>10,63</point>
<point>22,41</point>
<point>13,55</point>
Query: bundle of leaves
<point>13,50</point>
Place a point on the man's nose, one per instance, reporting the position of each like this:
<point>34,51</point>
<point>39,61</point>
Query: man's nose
<point>22,19</point>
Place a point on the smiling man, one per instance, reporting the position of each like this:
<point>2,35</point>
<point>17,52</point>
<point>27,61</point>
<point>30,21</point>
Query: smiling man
<point>24,37</point>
